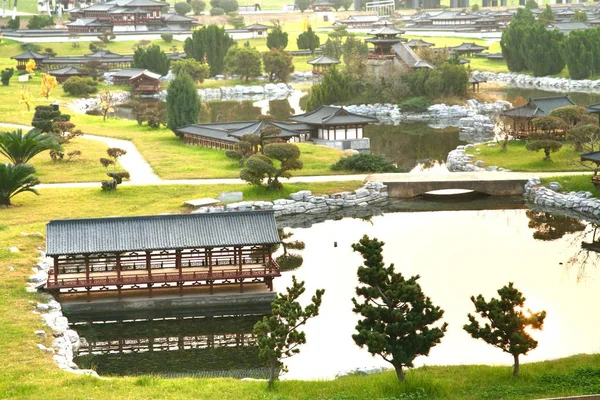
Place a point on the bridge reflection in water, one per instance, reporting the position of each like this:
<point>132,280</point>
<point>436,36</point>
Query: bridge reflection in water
<point>167,345</point>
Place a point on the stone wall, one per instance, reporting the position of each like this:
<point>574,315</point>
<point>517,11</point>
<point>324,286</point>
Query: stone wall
<point>581,205</point>
<point>66,341</point>
<point>459,161</point>
<point>561,85</point>
<point>304,202</point>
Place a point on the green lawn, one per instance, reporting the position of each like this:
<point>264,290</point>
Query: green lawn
<point>518,158</point>
<point>27,373</point>
<point>575,183</point>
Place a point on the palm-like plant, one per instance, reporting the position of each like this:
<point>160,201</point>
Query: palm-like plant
<point>15,179</point>
<point>19,148</point>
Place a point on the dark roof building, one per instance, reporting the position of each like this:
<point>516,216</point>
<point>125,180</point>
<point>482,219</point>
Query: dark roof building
<point>359,21</point>
<point>62,74</point>
<point>162,251</point>
<point>535,107</point>
<point>383,40</point>
<point>322,64</point>
<point>418,43</point>
<point>28,55</point>
<point>468,48</point>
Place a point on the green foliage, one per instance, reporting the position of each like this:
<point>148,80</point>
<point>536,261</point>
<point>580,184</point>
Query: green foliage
<point>302,5</point>
<point>152,58</point>
<point>448,80</point>
<point>289,260</point>
<point>260,167</point>
<point>182,8</point>
<point>396,314</point>
<point>236,20</point>
<point>228,6</point>
<point>514,39</point>
<point>80,87</point>
<point>354,46</point>
<point>153,116</point>
<point>15,179</point>
<point>198,6</point>
<point>14,23</point>
<point>243,61</point>
<point>278,64</point>
<point>580,15</point>
<point>94,70</point>
<point>570,115</point>
<point>19,148</point>
<point>415,104</point>
<point>584,137</point>
<point>215,11</point>
<point>198,71</point>
<point>5,75</point>
<point>531,4</point>
<point>106,37</point>
<point>542,51</point>
<point>334,88</point>
<point>364,162</point>
<point>581,51</point>
<point>244,148</point>
<point>183,102</point>
<point>548,145</point>
<point>506,323</point>
<point>277,38</point>
<point>45,116</point>
<point>167,37</point>
<point>209,44</point>
<point>345,4</point>
<point>546,16</point>
<point>549,125</point>
<point>40,21</point>
<point>308,40</point>
<point>475,7</point>
<point>278,335</point>
<point>333,48</point>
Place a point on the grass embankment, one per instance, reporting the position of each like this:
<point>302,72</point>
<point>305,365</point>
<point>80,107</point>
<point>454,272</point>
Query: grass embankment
<point>27,373</point>
<point>574,183</point>
<point>518,158</point>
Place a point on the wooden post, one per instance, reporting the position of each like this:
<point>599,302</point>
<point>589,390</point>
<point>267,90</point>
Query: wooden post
<point>178,265</point>
<point>56,270</point>
<point>209,260</point>
<point>149,270</point>
<point>87,275</point>
<point>240,271</point>
<point>118,268</point>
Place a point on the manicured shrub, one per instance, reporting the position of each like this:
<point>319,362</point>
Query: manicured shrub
<point>198,6</point>
<point>5,75</point>
<point>217,11</point>
<point>182,8</point>
<point>78,86</point>
<point>167,37</point>
<point>364,162</point>
<point>14,23</point>
<point>415,104</point>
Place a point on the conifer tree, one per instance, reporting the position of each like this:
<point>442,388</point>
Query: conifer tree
<point>514,38</point>
<point>209,44</point>
<point>308,40</point>
<point>183,102</point>
<point>278,335</point>
<point>277,38</point>
<point>153,59</point>
<point>396,314</point>
<point>505,323</point>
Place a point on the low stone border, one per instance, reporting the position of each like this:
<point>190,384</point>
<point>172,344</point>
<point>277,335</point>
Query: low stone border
<point>459,161</point>
<point>582,205</point>
<point>303,202</point>
<point>542,82</point>
<point>66,341</point>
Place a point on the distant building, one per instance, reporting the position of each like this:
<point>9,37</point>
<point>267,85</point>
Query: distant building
<point>536,107</point>
<point>359,21</point>
<point>322,64</point>
<point>62,74</point>
<point>28,55</point>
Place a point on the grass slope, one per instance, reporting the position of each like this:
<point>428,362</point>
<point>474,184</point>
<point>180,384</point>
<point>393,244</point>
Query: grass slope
<point>518,158</point>
<point>27,373</point>
<point>575,183</point>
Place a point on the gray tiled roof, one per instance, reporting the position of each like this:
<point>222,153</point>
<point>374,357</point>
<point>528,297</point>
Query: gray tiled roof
<point>539,107</point>
<point>160,232</point>
<point>29,55</point>
<point>232,131</point>
<point>323,60</point>
<point>594,156</point>
<point>331,115</point>
<point>65,71</point>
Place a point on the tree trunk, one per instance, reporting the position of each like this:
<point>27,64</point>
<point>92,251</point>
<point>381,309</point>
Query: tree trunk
<point>272,376</point>
<point>547,153</point>
<point>399,372</point>
<point>516,365</point>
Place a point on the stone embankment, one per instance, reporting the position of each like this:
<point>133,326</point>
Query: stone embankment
<point>542,82</point>
<point>582,205</point>
<point>270,91</point>
<point>80,106</point>
<point>66,341</point>
<point>459,161</point>
<point>472,118</point>
<point>303,202</point>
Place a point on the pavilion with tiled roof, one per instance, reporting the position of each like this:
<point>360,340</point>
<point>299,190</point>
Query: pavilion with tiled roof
<point>334,123</point>
<point>322,64</point>
<point>383,39</point>
<point>536,107</point>
<point>28,55</point>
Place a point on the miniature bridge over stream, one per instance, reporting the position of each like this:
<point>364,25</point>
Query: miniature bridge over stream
<point>491,183</point>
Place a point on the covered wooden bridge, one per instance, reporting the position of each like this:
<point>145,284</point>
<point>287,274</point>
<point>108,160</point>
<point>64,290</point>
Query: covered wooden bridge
<point>147,253</point>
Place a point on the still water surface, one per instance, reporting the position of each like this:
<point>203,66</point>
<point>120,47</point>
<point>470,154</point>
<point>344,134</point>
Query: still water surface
<point>457,254</point>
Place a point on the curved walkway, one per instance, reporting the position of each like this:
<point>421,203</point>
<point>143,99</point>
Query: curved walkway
<point>141,172</point>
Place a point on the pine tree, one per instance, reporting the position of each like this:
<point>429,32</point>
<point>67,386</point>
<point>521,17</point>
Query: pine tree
<point>243,61</point>
<point>278,64</point>
<point>183,102</point>
<point>277,38</point>
<point>514,38</point>
<point>396,314</point>
<point>209,44</point>
<point>278,335</point>
<point>153,59</point>
<point>308,40</point>
<point>507,324</point>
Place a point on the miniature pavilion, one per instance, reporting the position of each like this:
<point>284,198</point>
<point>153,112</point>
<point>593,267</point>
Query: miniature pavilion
<point>536,107</point>
<point>29,55</point>
<point>62,74</point>
<point>322,64</point>
<point>383,39</point>
<point>161,252</point>
<point>467,49</point>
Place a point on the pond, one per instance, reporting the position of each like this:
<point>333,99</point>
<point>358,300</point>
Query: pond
<point>458,249</point>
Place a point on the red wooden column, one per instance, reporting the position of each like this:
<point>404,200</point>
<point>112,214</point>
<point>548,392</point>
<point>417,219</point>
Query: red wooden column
<point>209,262</point>
<point>240,270</point>
<point>149,269</point>
<point>87,275</point>
<point>178,265</point>
<point>56,270</point>
<point>118,269</point>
